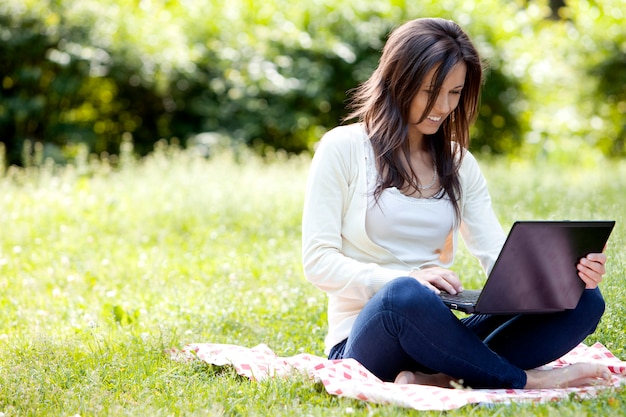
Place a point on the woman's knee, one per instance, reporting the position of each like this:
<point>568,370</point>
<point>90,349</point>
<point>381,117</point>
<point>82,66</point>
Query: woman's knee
<point>408,294</point>
<point>592,304</point>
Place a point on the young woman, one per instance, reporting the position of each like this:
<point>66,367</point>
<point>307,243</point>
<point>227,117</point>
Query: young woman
<point>386,198</point>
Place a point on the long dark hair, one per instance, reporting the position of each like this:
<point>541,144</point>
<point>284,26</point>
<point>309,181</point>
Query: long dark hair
<point>383,102</point>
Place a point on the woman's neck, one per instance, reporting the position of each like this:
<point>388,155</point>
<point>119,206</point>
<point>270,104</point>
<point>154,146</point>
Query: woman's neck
<point>417,143</point>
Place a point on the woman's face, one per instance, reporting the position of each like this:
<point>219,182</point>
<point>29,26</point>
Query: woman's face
<point>445,103</point>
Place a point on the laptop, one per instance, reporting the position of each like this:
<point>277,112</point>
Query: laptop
<point>536,269</point>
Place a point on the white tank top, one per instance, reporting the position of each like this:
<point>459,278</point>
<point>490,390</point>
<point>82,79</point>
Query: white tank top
<point>415,230</point>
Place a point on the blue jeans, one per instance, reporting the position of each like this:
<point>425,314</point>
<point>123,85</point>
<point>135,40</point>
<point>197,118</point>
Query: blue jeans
<point>406,327</point>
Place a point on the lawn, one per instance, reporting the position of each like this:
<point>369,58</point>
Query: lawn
<point>102,270</point>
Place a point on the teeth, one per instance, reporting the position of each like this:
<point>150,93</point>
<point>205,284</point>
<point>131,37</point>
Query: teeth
<point>434,118</point>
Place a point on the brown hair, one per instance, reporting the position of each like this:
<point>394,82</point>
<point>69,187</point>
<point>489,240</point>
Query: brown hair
<point>383,102</point>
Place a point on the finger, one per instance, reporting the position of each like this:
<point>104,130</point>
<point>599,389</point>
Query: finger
<point>591,280</point>
<point>591,266</point>
<point>441,278</point>
<point>589,283</point>
<point>596,257</point>
<point>430,286</point>
<point>444,285</point>
<point>589,271</point>
<point>452,279</point>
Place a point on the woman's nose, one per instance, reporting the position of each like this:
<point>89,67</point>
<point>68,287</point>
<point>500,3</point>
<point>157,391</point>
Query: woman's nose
<point>442,105</point>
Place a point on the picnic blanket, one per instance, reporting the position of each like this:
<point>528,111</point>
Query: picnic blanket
<point>348,378</point>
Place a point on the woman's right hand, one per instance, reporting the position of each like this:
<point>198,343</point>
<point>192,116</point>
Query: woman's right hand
<point>437,279</point>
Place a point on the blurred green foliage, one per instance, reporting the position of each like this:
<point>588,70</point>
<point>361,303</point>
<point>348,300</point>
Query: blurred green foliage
<point>274,75</point>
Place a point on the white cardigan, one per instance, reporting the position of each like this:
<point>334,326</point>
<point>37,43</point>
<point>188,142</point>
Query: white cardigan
<point>338,256</point>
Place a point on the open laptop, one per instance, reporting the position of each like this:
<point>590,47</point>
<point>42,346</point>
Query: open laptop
<point>536,269</point>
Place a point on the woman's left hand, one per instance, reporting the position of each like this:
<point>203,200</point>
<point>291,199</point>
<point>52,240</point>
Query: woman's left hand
<point>591,269</point>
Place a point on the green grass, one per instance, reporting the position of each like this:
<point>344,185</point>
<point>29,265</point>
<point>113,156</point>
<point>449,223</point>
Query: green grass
<point>102,269</point>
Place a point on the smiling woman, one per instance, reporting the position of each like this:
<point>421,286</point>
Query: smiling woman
<point>386,199</point>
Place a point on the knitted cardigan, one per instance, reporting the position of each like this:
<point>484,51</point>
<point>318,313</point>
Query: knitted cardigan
<point>338,256</point>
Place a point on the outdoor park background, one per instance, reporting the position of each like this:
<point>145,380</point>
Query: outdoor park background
<point>153,156</point>
<point>274,74</point>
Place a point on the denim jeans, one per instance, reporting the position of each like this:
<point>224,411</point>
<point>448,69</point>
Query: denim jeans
<point>405,326</point>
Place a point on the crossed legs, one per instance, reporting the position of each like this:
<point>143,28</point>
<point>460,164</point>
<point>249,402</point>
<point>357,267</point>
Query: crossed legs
<point>405,333</point>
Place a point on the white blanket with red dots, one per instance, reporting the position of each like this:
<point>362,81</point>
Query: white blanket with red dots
<point>347,378</point>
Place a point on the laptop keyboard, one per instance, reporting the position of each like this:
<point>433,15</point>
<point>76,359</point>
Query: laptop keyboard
<point>467,296</point>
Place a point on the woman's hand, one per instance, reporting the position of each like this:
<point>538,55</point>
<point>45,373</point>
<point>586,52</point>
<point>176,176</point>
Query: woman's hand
<point>591,269</point>
<point>437,279</point>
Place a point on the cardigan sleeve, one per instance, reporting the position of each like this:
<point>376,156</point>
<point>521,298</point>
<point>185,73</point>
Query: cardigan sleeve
<point>332,187</point>
<point>480,227</point>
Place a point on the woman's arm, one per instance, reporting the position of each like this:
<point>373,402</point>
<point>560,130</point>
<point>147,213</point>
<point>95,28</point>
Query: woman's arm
<point>480,227</point>
<point>483,234</point>
<point>335,187</point>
